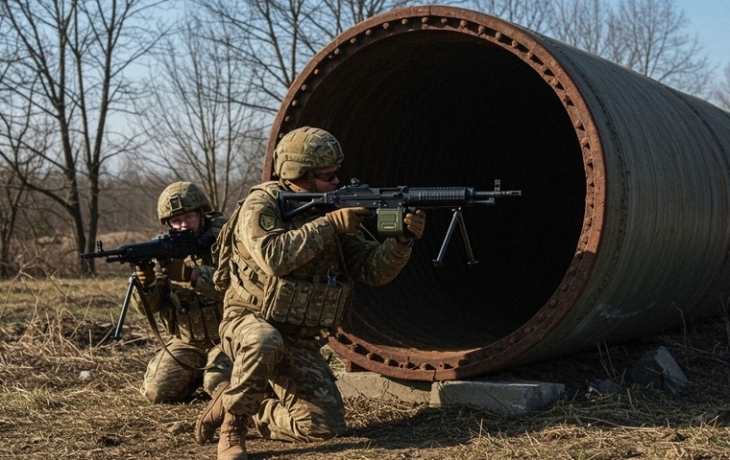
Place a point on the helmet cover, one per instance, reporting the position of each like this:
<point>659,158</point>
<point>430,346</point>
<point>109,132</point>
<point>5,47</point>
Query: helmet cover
<point>180,198</point>
<point>305,149</point>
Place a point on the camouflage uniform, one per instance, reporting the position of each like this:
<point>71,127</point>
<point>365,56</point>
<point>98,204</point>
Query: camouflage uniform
<point>190,316</point>
<point>279,376</point>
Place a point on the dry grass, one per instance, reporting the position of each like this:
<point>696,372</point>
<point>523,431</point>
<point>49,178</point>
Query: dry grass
<point>57,254</point>
<point>52,334</point>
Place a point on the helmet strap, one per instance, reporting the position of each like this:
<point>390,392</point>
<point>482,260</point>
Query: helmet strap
<point>302,184</point>
<point>310,179</point>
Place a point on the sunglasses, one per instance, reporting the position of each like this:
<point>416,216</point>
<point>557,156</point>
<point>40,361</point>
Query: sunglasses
<point>327,176</point>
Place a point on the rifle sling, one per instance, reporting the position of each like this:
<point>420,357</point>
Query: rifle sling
<point>153,325</point>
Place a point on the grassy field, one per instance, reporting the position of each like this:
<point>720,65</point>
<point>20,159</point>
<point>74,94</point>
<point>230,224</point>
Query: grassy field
<point>67,392</point>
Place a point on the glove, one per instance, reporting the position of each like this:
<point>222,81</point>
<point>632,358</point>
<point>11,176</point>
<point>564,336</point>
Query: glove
<point>145,273</point>
<point>347,220</point>
<point>416,223</point>
<point>175,270</point>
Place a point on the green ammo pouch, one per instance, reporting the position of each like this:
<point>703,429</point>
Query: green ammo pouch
<point>289,300</point>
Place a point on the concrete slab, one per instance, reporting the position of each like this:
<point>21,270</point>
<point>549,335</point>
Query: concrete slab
<point>514,397</point>
<point>372,385</point>
<point>502,397</point>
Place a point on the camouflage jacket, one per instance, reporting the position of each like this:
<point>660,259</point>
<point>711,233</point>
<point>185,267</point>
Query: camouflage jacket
<point>304,247</point>
<point>186,311</point>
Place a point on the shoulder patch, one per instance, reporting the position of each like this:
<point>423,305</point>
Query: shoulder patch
<point>267,222</point>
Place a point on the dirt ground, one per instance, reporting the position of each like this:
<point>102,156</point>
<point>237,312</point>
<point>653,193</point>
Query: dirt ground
<point>68,393</point>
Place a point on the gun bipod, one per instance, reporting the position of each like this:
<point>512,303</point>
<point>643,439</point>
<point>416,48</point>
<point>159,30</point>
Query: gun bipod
<point>456,219</point>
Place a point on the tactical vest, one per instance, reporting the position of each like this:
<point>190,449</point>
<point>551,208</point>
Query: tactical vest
<point>195,317</point>
<point>314,295</point>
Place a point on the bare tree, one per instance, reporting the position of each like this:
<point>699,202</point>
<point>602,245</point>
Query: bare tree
<point>646,36</point>
<point>643,35</point>
<point>274,39</point>
<point>11,201</point>
<point>270,39</point>
<point>581,23</point>
<point>722,93</point>
<point>342,14</point>
<point>65,74</point>
<point>199,115</point>
<point>535,15</point>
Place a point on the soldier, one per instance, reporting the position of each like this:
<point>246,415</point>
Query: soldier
<point>288,281</point>
<point>181,292</point>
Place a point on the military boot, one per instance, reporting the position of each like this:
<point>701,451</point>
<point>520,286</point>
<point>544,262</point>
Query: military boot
<point>211,417</point>
<point>232,442</point>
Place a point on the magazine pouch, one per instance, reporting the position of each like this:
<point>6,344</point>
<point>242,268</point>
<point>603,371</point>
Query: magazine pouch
<point>298,302</point>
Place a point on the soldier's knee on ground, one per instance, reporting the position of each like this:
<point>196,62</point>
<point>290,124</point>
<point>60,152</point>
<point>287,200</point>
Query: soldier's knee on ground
<point>155,396</point>
<point>300,423</point>
<point>173,387</point>
<point>330,429</point>
<point>325,436</point>
<point>318,432</point>
<point>167,394</point>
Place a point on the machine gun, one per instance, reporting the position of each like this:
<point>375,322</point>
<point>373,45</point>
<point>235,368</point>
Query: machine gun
<point>170,245</point>
<point>391,203</point>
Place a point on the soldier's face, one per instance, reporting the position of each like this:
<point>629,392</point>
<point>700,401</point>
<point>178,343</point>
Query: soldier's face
<point>326,178</point>
<point>188,221</point>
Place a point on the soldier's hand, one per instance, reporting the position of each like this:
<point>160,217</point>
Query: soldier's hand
<point>176,270</point>
<point>415,224</point>
<point>145,273</point>
<point>347,220</point>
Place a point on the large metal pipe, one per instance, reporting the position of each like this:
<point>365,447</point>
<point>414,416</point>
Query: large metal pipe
<point>622,229</point>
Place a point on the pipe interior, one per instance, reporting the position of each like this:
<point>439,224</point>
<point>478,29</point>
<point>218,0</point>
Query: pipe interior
<point>448,109</point>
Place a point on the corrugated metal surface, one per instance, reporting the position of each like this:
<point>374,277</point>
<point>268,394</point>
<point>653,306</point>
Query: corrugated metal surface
<point>622,229</point>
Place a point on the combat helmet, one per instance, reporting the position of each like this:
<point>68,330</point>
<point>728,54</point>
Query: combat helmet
<point>305,149</point>
<point>179,198</point>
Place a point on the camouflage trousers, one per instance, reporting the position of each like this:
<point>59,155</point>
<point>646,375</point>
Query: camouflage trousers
<point>167,381</point>
<point>282,382</point>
